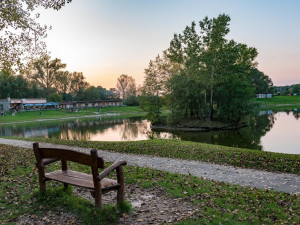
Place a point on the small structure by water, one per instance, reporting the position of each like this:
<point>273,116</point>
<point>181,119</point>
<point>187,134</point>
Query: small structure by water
<point>21,104</point>
<point>90,104</point>
<point>37,103</point>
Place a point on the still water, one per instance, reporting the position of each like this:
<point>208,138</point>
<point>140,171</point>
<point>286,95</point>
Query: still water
<point>268,131</point>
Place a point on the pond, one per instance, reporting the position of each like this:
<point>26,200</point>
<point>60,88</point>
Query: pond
<point>268,131</point>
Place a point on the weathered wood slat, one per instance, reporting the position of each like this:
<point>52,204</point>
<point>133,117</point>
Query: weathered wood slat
<point>69,155</point>
<point>79,179</point>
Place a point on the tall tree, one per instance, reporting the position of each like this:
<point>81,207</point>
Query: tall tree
<point>213,32</point>
<point>63,81</point>
<point>126,86</point>
<point>78,83</point>
<point>155,85</point>
<point>45,72</point>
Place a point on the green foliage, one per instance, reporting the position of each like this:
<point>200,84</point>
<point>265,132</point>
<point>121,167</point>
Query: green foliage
<point>154,87</point>
<point>131,101</point>
<point>153,106</point>
<point>17,87</point>
<point>261,82</point>
<point>234,97</point>
<point>202,72</point>
<point>296,89</point>
<point>285,90</point>
<point>54,97</point>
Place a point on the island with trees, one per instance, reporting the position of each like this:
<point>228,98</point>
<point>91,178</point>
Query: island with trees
<point>205,80</point>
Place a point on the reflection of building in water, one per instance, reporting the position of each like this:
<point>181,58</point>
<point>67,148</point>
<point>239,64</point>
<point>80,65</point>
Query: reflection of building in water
<point>265,112</point>
<point>27,131</point>
<point>39,132</point>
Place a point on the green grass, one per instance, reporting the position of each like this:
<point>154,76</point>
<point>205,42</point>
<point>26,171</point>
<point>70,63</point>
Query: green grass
<point>217,202</point>
<point>245,158</point>
<point>279,101</point>
<point>35,115</point>
<point>54,114</point>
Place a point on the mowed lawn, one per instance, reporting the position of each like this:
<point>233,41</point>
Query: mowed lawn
<point>63,113</point>
<point>279,100</point>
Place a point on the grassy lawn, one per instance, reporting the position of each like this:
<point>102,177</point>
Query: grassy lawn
<point>218,203</point>
<point>279,100</point>
<point>54,114</point>
<point>239,157</point>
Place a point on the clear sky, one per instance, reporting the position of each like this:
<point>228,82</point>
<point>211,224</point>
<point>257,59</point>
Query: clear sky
<point>107,38</point>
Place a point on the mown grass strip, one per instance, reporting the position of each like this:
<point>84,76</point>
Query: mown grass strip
<point>64,113</point>
<point>217,202</point>
<point>244,158</point>
<point>279,100</point>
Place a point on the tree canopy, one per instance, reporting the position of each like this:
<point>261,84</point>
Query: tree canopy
<point>204,75</point>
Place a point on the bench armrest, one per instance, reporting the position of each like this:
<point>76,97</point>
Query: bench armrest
<point>48,161</point>
<point>111,168</point>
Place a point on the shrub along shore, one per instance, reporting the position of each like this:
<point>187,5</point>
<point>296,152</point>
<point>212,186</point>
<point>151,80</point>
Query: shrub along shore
<point>217,202</point>
<point>223,155</point>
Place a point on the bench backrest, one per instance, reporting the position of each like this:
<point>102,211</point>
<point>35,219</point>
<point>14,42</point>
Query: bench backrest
<point>68,155</point>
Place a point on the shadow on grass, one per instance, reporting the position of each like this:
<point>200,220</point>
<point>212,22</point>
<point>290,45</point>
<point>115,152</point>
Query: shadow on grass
<point>85,211</point>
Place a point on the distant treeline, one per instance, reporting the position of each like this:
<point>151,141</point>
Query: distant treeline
<point>286,90</point>
<point>46,78</point>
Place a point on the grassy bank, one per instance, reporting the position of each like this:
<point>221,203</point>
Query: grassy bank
<point>54,114</point>
<point>239,157</point>
<point>279,101</point>
<point>217,203</point>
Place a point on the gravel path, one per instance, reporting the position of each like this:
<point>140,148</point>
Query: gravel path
<point>246,177</point>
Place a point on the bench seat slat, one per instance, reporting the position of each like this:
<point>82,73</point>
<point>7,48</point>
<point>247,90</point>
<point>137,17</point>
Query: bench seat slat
<point>80,179</point>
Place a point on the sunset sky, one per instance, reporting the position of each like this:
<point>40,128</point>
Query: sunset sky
<point>107,38</point>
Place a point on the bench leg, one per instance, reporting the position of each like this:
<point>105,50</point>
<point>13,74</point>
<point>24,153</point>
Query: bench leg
<point>42,180</point>
<point>120,177</point>
<point>42,185</point>
<point>98,197</point>
<point>120,194</point>
<point>66,186</point>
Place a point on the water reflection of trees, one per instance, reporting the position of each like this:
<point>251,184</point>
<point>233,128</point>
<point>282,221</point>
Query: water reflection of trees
<point>248,137</point>
<point>132,128</point>
<point>296,113</point>
<point>85,129</point>
<point>72,130</point>
<point>137,128</point>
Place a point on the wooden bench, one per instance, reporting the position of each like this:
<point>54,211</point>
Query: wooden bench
<point>96,182</point>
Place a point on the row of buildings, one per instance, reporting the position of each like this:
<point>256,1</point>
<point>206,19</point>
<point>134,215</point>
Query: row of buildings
<point>35,103</point>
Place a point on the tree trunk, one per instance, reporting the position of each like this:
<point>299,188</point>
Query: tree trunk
<point>211,107</point>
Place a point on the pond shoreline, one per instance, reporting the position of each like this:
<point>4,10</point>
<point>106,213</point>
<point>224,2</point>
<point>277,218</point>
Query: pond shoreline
<point>198,129</point>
